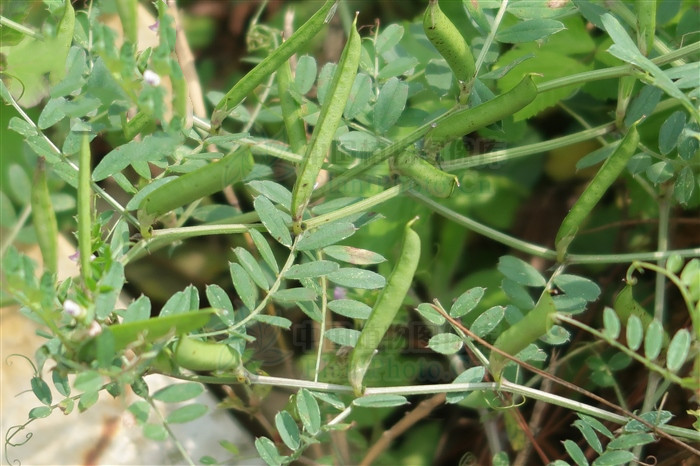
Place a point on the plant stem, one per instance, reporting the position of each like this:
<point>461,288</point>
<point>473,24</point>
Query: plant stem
<point>421,411</point>
<point>541,251</point>
<point>10,238</point>
<point>161,238</point>
<point>178,444</point>
<point>322,324</point>
<point>653,377</point>
<point>355,208</point>
<point>504,385</point>
<point>7,22</point>
<point>85,210</point>
<point>97,189</point>
<point>687,298</point>
<point>530,149</point>
<point>482,229</point>
<point>629,257</point>
<point>489,39</point>
<point>273,288</point>
<point>257,145</point>
<point>340,417</point>
<point>619,346</point>
<point>615,71</point>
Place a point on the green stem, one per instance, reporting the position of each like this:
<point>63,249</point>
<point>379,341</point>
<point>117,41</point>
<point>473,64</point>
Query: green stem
<point>541,251</point>
<point>524,151</point>
<point>356,208</point>
<point>492,34</point>
<point>162,238</point>
<point>85,210</point>
<point>653,378</point>
<point>629,257</point>
<point>98,190</point>
<point>619,346</point>
<point>630,18</point>
<point>340,417</point>
<point>16,228</point>
<point>505,385</point>
<point>261,101</point>
<point>615,71</point>
<point>484,230</point>
<point>665,204</point>
<point>257,145</point>
<point>178,444</point>
<point>381,155</point>
<point>322,324</point>
<point>687,298</point>
<point>275,286</point>
<point>7,22</point>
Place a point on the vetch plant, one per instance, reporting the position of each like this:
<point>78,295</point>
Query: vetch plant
<point>306,182</point>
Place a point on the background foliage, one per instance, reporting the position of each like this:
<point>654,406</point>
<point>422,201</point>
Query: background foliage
<point>179,180</point>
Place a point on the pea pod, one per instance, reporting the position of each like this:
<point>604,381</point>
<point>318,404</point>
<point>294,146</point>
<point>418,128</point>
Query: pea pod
<point>269,65</point>
<point>433,180</point>
<point>158,327</point>
<point>291,110</point>
<point>187,188</point>
<point>44,218</point>
<point>448,41</point>
<point>385,309</point>
<point>602,180</point>
<point>470,119</point>
<point>328,120</point>
<point>85,208</point>
<point>535,324</point>
<point>197,355</point>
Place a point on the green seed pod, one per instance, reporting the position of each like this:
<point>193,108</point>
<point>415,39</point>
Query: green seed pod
<point>191,186</point>
<point>448,41</point>
<point>291,110</point>
<point>328,120</point>
<point>535,324</point>
<point>269,65</point>
<point>433,180</point>
<point>44,218</point>
<point>470,119</point>
<point>600,183</point>
<point>197,355</point>
<point>155,328</point>
<point>85,208</point>
<point>385,309</point>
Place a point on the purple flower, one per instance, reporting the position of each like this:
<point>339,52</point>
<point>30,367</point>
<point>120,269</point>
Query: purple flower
<point>339,292</point>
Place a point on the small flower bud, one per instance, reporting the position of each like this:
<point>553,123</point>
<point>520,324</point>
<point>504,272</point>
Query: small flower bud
<point>95,329</point>
<point>72,308</point>
<point>339,292</point>
<point>151,77</point>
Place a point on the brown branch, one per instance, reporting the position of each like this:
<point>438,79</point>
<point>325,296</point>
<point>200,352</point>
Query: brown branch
<point>423,409</point>
<point>534,426</point>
